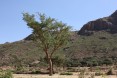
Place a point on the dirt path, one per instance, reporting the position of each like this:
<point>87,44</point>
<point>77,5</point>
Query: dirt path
<point>55,76</point>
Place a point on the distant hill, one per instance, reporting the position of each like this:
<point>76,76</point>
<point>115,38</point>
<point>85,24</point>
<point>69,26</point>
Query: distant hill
<point>108,24</point>
<point>95,44</point>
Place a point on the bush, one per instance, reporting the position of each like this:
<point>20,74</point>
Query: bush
<point>108,61</point>
<point>89,61</point>
<point>35,72</point>
<point>57,60</point>
<point>19,70</point>
<point>72,69</point>
<point>92,76</point>
<point>98,73</point>
<point>110,72</point>
<point>39,72</point>
<point>72,63</point>
<point>82,74</point>
<point>66,73</point>
<point>5,74</point>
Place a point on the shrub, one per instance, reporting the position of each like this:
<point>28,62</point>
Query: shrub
<point>89,61</point>
<point>110,72</point>
<point>5,74</point>
<point>72,63</point>
<point>38,72</point>
<point>107,61</point>
<point>35,72</point>
<point>19,70</point>
<point>66,73</point>
<point>57,60</point>
<point>92,76</point>
<point>72,69</point>
<point>82,74</point>
<point>98,73</point>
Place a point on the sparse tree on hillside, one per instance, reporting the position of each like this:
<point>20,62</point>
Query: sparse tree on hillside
<point>49,34</point>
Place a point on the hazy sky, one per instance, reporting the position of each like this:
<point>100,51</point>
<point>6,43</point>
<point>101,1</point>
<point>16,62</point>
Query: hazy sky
<point>73,12</point>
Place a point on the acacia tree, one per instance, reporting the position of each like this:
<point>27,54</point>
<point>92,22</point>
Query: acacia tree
<point>48,33</point>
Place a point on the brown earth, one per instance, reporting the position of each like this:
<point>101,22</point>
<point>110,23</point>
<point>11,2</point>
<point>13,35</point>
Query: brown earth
<point>57,76</point>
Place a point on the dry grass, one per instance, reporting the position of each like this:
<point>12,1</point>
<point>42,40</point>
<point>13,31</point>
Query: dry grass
<point>86,74</point>
<point>57,76</point>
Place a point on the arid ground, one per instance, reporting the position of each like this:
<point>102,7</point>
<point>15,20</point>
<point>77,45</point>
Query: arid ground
<point>57,76</point>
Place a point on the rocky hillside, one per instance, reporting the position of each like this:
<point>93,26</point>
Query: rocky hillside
<point>108,24</point>
<point>98,48</point>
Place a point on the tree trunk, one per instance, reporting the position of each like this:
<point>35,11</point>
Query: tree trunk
<point>50,67</point>
<point>53,68</point>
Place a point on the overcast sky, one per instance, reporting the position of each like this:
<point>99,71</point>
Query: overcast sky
<point>75,13</point>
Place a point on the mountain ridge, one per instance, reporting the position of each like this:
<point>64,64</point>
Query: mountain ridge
<point>108,24</point>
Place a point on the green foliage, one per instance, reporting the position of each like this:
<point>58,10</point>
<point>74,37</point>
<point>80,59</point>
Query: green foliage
<point>72,63</point>
<point>18,63</point>
<point>97,49</point>
<point>58,60</point>
<point>25,51</point>
<point>5,74</point>
<point>107,61</point>
<point>88,61</point>
<point>48,33</point>
<point>95,61</point>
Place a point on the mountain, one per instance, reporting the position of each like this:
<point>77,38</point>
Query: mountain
<point>108,24</point>
<point>98,48</point>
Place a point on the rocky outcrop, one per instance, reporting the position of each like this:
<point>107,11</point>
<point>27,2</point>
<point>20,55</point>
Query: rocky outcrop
<point>108,24</point>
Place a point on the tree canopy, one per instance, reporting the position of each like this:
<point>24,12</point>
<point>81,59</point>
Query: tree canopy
<point>48,32</point>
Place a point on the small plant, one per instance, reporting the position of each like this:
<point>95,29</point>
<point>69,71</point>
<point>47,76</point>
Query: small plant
<point>110,72</point>
<point>82,74</point>
<point>92,76</point>
<point>98,73</point>
<point>38,72</point>
<point>35,72</point>
<point>5,74</point>
<point>104,76</point>
<point>19,70</point>
<point>66,73</point>
<point>70,69</point>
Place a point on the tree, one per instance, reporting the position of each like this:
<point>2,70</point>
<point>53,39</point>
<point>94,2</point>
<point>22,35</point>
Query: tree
<point>49,34</point>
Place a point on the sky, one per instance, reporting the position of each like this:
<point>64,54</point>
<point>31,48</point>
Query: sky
<point>75,13</point>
